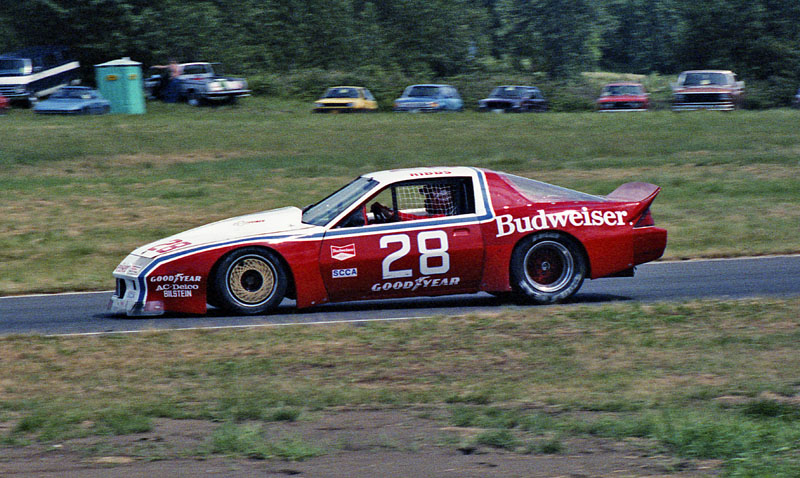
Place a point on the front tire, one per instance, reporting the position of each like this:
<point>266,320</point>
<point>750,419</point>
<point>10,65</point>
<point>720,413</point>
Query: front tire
<point>250,281</point>
<point>547,268</point>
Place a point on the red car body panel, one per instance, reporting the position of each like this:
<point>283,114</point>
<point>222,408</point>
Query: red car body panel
<point>622,97</point>
<point>459,254</point>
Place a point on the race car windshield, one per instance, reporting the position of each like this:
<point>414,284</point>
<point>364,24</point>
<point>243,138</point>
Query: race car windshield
<point>329,208</point>
<point>543,192</point>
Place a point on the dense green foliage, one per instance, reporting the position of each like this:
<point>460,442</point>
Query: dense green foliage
<point>428,38</point>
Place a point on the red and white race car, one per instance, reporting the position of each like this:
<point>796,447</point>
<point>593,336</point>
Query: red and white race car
<point>402,233</point>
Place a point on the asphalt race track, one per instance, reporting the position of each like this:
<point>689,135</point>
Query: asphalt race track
<point>84,313</point>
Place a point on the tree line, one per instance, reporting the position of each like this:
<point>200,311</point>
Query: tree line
<point>758,39</point>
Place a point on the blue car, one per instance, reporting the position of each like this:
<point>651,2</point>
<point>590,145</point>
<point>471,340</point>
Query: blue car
<point>429,98</point>
<point>74,100</point>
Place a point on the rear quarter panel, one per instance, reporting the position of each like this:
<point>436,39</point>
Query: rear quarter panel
<point>603,229</point>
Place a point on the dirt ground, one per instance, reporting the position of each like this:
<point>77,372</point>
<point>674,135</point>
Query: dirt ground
<point>356,443</point>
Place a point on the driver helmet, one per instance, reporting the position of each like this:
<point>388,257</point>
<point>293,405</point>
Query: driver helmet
<point>439,199</point>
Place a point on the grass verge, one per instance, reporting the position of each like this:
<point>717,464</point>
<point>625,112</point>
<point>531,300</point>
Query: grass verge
<point>78,194</point>
<point>709,379</point>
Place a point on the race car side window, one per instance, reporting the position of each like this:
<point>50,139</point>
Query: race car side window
<point>416,200</point>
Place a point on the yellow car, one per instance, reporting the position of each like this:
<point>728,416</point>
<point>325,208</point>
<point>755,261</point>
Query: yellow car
<point>346,99</point>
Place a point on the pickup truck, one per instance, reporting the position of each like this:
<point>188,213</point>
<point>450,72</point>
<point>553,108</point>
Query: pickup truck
<point>197,84</point>
<point>707,89</point>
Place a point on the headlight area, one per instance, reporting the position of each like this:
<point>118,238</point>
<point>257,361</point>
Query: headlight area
<point>129,298</point>
<point>126,300</point>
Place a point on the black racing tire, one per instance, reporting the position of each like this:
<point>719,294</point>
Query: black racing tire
<point>547,267</point>
<point>250,281</point>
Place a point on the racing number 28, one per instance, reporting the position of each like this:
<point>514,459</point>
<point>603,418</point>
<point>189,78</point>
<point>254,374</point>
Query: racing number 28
<point>426,254</point>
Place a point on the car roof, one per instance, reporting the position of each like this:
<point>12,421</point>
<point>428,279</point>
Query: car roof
<point>624,83</point>
<point>429,84</point>
<point>345,86</point>
<point>708,71</point>
<point>395,175</point>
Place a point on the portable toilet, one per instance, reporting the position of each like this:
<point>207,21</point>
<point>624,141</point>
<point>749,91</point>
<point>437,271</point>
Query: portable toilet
<point>120,82</point>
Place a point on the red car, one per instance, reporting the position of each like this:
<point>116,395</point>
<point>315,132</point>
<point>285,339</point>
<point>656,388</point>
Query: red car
<point>402,233</point>
<point>623,97</point>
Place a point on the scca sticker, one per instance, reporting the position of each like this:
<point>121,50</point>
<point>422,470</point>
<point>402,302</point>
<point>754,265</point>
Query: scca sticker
<point>342,253</point>
<point>340,273</point>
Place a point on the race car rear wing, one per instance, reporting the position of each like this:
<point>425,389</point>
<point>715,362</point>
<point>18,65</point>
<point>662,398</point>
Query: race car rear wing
<point>641,193</point>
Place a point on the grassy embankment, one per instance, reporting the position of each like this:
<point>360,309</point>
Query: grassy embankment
<point>699,380</point>
<point>77,194</point>
<point>703,380</point>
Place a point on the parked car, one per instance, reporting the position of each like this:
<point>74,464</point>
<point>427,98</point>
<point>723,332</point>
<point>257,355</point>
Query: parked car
<point>513,99</point>
<point>796,102</point>
<point>197,84</point>
<point>346,99</point>
<point>707,89</point>
<point>74,100</point>
<point>4,103</point>
<point>33,73</point>
<point>623,97</point>
<point>429,98</point>
<point>401,233</point>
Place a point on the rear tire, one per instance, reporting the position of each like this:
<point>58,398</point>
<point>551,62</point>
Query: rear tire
<point>547,268</point>
<point>250,281</point>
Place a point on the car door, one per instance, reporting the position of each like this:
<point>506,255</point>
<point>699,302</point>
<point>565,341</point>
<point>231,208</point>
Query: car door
<point>419,251</point>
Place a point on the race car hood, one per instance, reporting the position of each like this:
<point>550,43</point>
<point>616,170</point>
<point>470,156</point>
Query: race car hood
<point>267,225</point>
